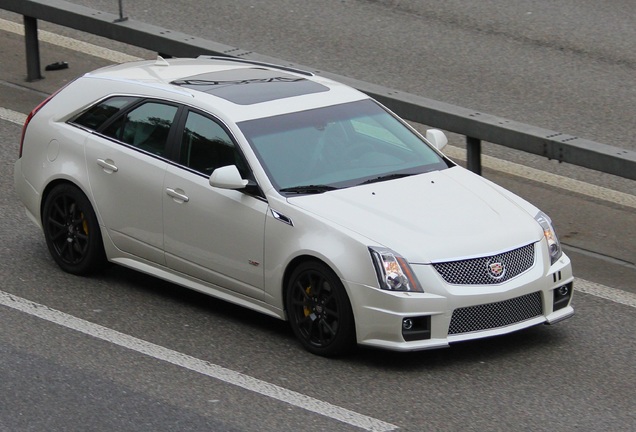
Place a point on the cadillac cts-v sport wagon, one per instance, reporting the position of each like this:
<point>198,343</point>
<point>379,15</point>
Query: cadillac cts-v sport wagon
<point>289,194</point>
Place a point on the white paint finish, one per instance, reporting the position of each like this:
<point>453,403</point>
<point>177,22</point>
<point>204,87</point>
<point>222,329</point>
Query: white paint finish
<point>194,230</point>
<point>423,217</point>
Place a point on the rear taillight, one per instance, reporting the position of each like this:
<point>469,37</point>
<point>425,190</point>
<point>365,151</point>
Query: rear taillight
<point>34,112</point>
<point>28,119</point>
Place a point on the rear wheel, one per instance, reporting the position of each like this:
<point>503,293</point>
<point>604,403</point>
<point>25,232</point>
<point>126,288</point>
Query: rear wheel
<point>71,231</point>
<point>319,310</point>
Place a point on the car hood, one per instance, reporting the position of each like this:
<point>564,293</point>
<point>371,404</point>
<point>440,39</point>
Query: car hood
<point>437,216</point>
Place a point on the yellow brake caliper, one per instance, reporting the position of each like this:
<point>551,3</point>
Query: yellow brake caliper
<point>306,309</point>
<point>84,223</point>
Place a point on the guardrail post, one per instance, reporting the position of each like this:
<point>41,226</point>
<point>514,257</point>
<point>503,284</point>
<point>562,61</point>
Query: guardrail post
<point>121,18</point>
<point>473,154</point>
<point>32,48</point>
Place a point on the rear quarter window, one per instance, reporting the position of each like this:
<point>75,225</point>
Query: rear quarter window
<point>146,127</point>
<point>99,114</point>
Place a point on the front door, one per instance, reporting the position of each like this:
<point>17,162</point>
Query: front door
<point>212,234</point>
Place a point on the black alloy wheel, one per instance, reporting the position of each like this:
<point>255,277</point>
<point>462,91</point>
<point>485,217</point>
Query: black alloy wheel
<point>319,310</point>
<point>71,231</point>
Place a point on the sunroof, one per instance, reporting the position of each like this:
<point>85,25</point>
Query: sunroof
<point>247,86</point>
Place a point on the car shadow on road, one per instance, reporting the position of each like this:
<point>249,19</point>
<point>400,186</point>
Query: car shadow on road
<point>200,310</point>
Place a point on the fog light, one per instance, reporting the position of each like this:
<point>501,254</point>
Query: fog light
<point>416,328</point>
<point>564,290</point>
<point>562,296</point>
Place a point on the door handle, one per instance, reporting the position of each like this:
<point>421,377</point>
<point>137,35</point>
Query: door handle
<point>108,165</point>
<point>177,194</point>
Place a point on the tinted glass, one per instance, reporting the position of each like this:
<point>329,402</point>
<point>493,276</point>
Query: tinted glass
<point>145,127</point>
<point>247,86</point>
<point>205,145</point>
<point>340,146</point>
<point>99,114</point>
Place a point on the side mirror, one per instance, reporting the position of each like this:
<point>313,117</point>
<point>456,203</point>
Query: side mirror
<point>227,177</point>
<point>437,138</point>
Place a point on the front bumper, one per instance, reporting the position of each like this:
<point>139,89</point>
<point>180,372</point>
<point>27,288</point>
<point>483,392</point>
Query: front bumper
<point>444,313</point>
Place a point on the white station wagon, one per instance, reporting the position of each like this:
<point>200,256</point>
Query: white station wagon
<point>289,194</point>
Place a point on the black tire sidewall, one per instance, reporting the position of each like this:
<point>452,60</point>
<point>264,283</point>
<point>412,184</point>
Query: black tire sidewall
<point>94,259</point>
<point>345,339</point>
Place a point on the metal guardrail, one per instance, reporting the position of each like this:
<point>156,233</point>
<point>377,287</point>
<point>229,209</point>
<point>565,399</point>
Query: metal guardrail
<point>476,126</point>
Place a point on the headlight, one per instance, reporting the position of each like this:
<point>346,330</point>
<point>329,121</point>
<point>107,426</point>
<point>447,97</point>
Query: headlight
<point>394,273</point>
<point>554,247</point>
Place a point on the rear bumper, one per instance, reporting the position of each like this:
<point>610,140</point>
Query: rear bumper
<point>28,195</point>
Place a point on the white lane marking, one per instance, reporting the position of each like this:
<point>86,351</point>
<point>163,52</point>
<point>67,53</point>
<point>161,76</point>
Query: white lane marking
<point>617,296</point>
<point>545,177</point>
<point>12,116</point>
<point>71,44</point>
<point>194,364</point>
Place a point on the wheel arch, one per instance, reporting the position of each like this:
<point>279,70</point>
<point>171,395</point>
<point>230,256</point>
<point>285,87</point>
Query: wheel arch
<point>346,256</point>
<point>88,245</point>
<point>293,265</point>
<point>60,181</point>
<point>338,339</point>
<point>305,258</point>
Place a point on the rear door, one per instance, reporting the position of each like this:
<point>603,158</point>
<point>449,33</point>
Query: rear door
<point>127,163</point>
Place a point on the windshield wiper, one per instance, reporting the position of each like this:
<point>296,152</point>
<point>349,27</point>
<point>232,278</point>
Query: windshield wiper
<point>385,178</point>
<point>309,189</point>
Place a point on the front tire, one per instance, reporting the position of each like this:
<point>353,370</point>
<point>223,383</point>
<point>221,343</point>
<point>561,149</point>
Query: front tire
<point>319,310</point>
<point>72,232</point>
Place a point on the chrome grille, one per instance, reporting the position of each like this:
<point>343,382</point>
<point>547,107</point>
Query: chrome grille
<point>483,270</point>
<point>495,315</point>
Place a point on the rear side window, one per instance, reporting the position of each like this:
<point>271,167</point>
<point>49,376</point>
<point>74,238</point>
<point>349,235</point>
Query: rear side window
<point>145,127</point>
<point>99,114</point>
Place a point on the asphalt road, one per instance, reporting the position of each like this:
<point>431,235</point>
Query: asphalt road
<point>567,66</point>
<point>577,375</point>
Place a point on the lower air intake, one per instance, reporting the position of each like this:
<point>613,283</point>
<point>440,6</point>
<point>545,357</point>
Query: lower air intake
<point>495,315</point>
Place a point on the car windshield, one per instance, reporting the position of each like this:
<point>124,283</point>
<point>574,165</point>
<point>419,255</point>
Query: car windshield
<point>339,146</point>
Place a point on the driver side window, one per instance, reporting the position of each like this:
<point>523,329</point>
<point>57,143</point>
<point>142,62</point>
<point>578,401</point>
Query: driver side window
<point>206,146</point>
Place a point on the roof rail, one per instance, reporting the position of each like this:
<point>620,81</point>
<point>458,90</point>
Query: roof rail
<point>259,63</point>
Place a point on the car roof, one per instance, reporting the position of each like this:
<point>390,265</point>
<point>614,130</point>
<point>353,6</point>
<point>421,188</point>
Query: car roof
<point>240,89</point>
